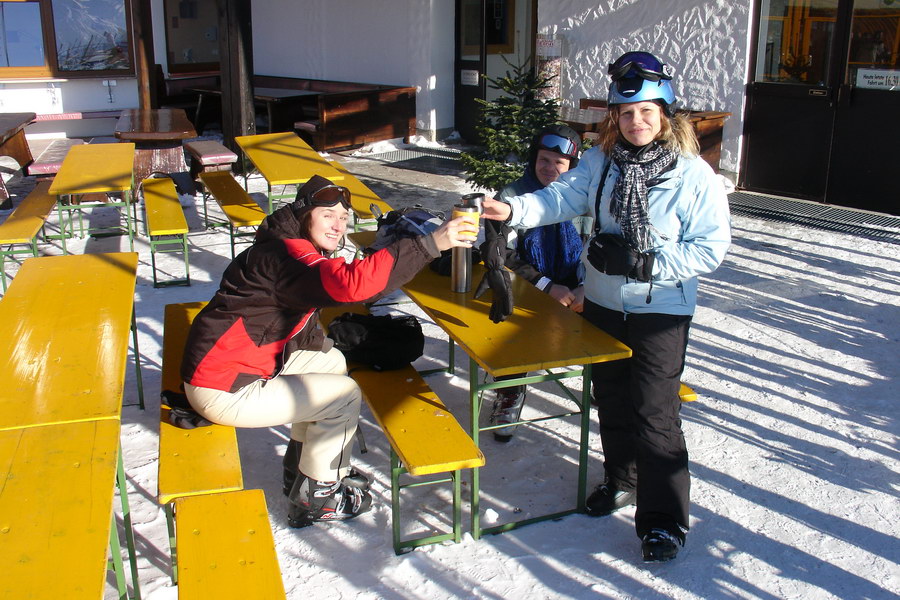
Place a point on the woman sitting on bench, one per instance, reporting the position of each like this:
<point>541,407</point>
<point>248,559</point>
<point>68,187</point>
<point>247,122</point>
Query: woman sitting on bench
<point>255,356</point>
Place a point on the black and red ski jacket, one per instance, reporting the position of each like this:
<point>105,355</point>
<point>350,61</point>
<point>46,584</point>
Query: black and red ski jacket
<point>269,298</point>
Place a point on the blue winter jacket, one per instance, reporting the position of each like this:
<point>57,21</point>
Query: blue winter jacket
<point>690,229</point>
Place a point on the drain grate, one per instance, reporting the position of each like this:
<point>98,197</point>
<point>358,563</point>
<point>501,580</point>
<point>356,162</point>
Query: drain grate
<point>820,216</point>
<point>429,160</point>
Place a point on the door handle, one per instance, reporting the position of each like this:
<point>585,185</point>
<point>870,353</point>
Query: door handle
<point>818,92</point>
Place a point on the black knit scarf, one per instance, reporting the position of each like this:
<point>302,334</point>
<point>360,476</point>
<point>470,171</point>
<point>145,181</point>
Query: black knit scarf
<point>628,204</point>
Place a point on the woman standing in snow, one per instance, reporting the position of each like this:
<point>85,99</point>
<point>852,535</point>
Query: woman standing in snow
<point>660,220</point>
<point>256,357</point>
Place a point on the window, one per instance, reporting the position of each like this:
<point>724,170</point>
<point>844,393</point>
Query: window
<point>64,38</point>
<point>499,26</point>
<point>192,36</point>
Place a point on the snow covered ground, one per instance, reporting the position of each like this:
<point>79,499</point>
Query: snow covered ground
<point>793,442</point>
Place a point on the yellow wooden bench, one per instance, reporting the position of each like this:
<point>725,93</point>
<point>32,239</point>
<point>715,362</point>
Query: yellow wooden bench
<point>226,549</point>
<point>58,530</point>
<point>425,437</point>
<point>361,198</point>
<point>239,208</point>
<point>192,462</point>
<point>166,225</point>
<point>23,224</point>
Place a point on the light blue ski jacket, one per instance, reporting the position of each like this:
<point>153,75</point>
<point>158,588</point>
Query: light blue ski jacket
<point>690,230</point>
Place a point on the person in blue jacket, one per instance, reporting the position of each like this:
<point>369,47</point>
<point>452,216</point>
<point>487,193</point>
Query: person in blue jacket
<point>661,220</point>
<point>547,256</point>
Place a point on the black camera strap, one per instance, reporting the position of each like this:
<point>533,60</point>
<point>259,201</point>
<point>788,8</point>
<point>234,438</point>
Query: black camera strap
<point>599,192</point>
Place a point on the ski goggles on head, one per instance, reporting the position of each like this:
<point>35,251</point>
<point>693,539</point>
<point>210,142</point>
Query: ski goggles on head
<point>329,196</point>
<point>558,143</point>
<point>639,64</point>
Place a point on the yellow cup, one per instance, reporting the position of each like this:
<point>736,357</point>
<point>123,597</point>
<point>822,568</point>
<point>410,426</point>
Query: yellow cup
<point>472,215</point>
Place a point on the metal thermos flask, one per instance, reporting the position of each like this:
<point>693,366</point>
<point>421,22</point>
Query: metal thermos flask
<point>461,258</point>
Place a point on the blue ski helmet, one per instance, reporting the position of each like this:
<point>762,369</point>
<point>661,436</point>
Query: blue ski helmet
<point>641,77</point>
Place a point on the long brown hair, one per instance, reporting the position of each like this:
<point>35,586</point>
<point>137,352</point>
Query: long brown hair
<point>676,131</point>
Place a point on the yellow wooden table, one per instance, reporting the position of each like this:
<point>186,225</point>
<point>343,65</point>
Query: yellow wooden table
<point>541,336</point>
<point>64,324</point>
<point>284,159</point>
<point>95,168</point>
<point>56,510</point>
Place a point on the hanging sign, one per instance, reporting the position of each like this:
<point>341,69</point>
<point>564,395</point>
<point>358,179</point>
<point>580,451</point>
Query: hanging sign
<point>468,77</point>
<point>546,47</point>
<point>879,79</point>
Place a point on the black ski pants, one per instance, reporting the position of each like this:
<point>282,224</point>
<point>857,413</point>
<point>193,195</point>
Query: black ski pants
<point>639,406</point>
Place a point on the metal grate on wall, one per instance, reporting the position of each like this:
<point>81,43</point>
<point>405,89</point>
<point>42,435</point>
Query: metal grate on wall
<point>820,216</point>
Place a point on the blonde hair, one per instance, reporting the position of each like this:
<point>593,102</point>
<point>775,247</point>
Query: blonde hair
<point>677,131</point>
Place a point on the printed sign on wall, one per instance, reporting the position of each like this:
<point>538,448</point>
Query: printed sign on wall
<point>879,79</point>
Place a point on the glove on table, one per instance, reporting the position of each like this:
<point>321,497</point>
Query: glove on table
<point>493,253</point>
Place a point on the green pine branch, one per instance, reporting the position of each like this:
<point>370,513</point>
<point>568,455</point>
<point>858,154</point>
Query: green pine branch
<point>507,126</point>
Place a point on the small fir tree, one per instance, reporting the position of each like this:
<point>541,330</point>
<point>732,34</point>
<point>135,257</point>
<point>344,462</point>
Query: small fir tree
<point>508,125</point>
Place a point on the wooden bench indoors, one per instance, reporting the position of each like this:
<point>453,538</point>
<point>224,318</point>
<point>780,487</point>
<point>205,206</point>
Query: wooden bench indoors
<point>192,462</point>
<point>166,225</point>
<point>239,208</point>
<point>23,224</point>
<point>425,437</point>
<point>228,550</point>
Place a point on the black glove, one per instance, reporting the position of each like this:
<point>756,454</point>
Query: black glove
<point>612,255</point>
<point>493,249</point>
<point>493,253</point>
<point>643,268</point>
<point>499,282</point>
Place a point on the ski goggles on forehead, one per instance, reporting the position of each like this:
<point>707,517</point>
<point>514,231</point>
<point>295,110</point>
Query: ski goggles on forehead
<point>558,143</point>
<point>640,65</point>
<point>330,195</point>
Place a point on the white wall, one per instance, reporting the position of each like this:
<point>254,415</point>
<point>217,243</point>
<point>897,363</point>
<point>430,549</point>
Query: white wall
<point>52,96</point>
<point>706,41</point>
<point>398,42</point>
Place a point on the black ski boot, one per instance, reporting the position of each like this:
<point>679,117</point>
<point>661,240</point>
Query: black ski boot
<point>659,546</point>
<point>313,501</point>
<point>607,499</point>
<point>291,463</point>
<point>507,408</point>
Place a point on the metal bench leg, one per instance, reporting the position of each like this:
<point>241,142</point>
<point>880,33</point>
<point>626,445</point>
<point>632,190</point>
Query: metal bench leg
<point>396,471</point>
<point>170,527</point>
<point>115,551</point>
<point>129,530</point>
<point>137,362</point>
<point>153,260</point>
<point>187,266</point>
<point>457,505</point>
